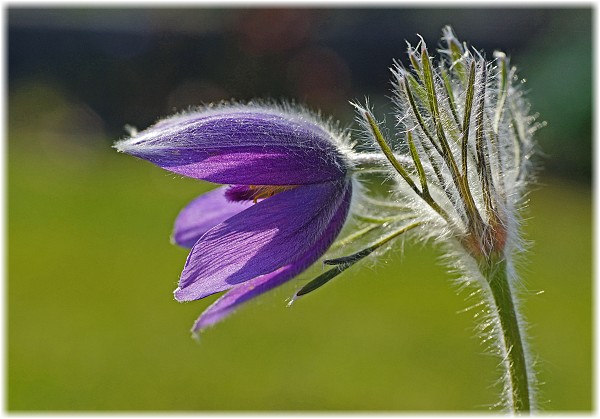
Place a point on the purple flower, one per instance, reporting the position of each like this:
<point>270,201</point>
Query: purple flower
<point>289,196</point>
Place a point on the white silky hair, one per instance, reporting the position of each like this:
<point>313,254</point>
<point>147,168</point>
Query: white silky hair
<point>500,169</point>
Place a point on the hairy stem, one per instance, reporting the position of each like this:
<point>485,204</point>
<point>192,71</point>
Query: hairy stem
<point>515,361</point>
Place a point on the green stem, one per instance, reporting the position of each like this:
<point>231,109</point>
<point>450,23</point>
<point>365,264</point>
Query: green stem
<point>512,342</point>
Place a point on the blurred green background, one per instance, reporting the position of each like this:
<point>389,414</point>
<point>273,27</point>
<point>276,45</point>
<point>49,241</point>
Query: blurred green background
<point>92,325</point>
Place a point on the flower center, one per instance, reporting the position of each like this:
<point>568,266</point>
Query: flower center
<point>267,191</point>
<point>254,193</point>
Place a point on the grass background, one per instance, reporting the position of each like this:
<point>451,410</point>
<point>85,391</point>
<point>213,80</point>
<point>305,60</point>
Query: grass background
<point>91,322</point>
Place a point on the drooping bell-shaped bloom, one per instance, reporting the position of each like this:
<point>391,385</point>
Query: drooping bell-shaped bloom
<point>288,196</point>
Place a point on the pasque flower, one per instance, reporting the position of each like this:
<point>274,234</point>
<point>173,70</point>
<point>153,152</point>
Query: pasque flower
<point>288,197</point>
<point>458,166</point>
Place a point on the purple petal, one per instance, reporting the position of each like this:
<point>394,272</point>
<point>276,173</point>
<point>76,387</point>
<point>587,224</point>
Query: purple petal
<point>246,145</point>
<point>202,214</point>
<point>259,285</point>
<point>268,235</point>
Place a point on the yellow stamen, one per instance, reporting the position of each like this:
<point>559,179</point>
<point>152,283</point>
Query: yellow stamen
<point>267,191</point>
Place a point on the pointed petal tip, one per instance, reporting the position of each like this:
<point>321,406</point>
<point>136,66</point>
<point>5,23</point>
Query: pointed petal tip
<point>196,335</point>
<point>185,293</point>
<point>118,145</point>
<point>182,295</point>
<point>129,146</point>
<point>207,321</point>
<point>178,294</point>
